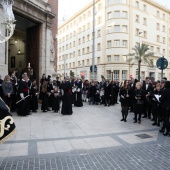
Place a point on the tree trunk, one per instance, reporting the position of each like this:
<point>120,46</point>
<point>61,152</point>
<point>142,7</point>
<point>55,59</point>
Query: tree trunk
<point>139,63</point>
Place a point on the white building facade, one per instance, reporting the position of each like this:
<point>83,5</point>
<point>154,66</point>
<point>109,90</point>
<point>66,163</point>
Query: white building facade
<point>119,25</point>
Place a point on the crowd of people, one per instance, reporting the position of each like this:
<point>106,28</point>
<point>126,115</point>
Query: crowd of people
<point>146,99</point>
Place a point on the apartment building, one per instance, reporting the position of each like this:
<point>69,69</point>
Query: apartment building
<point>119,25</point>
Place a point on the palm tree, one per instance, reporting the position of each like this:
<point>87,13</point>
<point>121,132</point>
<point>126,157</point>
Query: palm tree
<point>141,54</point>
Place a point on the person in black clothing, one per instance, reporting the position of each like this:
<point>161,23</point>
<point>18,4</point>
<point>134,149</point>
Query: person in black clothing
<point>67,98</point>
<point>113,93</point>
<point>156,105</point>
<point>1,91</point>
<point>139,96</point>
<point>125,94</point>
<point>92,93</point>
<point>165,100</point>
<point>34,98</point>
<point>78,94</point>
<point>44,97</point>
<point>116,91</point>
<point>42,80</point>
<point>56,99</point>
<point>107,93</point>
<point>147,88</point>
<point>58,83</point>
<point>23,107</point>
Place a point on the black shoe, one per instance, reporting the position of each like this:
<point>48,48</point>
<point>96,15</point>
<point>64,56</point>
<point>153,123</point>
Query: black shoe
<point>135,122</point>
<point>49,110</point>
<point>139,121</point>
<point>149,117</point>
<point>144,116</point>
<point>44,110</point>
<point>105,105</point>
<point>154,124</point>
<point>34,111</point>
<point>158,124</point>
<point>125,120</point>
<point>166,134</point>
<point>108,105</point>
<point>161,130</point>
<point>122,120</point>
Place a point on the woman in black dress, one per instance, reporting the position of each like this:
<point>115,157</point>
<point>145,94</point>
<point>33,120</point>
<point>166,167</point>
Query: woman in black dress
<point>139,96</point>
<point>56,100</point>
<point>125,95</point>
<point>44,97</point>
<point>34,98</point>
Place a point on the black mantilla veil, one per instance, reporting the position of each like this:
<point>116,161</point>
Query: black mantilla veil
<point>7,126</point>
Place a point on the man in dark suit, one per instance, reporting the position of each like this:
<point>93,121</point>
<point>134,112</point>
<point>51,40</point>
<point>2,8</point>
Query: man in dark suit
<point>148,88</point>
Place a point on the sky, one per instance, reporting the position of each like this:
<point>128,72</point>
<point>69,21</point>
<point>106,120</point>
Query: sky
<point>68,8</point>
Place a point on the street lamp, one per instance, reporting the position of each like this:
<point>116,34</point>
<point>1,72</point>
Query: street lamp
<point>93,53</point>
<point>7,20</point>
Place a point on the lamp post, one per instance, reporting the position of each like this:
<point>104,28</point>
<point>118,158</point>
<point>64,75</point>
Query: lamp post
<point>139,62</point>
<point>7,25</point>
<point>93,50</point>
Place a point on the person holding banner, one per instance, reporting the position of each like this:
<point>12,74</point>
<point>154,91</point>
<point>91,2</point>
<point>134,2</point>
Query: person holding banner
<point>7,126</point>
<point>23,105</point>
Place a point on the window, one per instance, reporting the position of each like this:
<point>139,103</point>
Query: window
<point>152,48</point>
<point>88,62</point>
<point>117,28</point>
<point>108,72</point>
<point>109,44</point>
<point>124,14</point>
<point>73,43</point>
<point>137,4</point>
<point>158,14</point>
<point>163,28</point>
<point>158,38</point>
<point>163,51</point>
<point>98,47</point>
<point>116,74</point>
<point>109,29</point>
<point>88,37</point>
<point>98,60</point>
<point>117,43</point>
<point>124,1</point>
<point>144,21</point>
<point>163,16</point>
<point>79,30</point>
<point>124,28</point>
<point>137,18</point>
<point>70,45</point>
<point>83,39</point>
<point>83,51</point>
<point>144,7</point>
<point>158,50</point>
<point>163,40</point>
<point>99,33</point>
<point>79,41</point>
<point>89,13</point>
<point>88,25</point>
<point>99,7</point>
<point>124,74</point>
<point>73,64</point>
<point>99,20</point>
<point>109,15</point>
<point>109,58</point>
<point>124,43</point>
<point>117,1</point>
<point>137,31</point>
<point>79,53</point>
<point>88,49</point>
<point>117,14</point>
<point>109,2</point>
<point>158,26</point>
<point>116,58</point>
<point>124,58</point>
<point>145,34</point>
<point>70,65</point>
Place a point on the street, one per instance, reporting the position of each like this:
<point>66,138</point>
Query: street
<point>93,138</point>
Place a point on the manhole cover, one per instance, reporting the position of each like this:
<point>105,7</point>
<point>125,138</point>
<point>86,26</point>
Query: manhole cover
<point>144,136</point>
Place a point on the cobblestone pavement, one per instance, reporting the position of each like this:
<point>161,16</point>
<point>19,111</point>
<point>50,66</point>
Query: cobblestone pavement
<point>93,138</point>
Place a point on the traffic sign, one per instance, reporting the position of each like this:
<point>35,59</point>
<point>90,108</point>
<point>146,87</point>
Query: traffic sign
<point>162,63</point>
<point>95,68</point>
